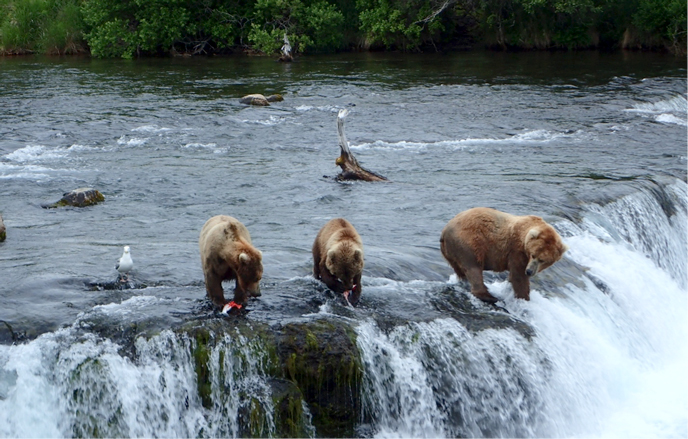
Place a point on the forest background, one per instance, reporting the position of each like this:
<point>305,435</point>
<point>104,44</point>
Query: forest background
<point>131,28</point>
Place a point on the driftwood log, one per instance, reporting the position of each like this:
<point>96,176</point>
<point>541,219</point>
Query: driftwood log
<point>285,51</point>
<point>351,170</point>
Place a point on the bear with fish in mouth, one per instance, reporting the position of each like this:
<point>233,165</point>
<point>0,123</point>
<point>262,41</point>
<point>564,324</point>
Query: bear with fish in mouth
<point>338,259</point>
<point>227,253</point>
<point>486,239</point>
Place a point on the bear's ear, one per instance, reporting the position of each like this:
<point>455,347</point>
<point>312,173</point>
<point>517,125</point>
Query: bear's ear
<point>532,234</point>
<point>331,256</point>
<point>244,258</point>
<point>358,255</point>
<point>564,247</point>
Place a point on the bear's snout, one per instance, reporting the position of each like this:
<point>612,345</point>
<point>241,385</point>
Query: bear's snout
<point>254,290</point>
<point>532,267</point>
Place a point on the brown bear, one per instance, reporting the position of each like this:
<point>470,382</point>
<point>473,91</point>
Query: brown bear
<point>226,254</point>
<point>486,239</point>
<point>338,259</point>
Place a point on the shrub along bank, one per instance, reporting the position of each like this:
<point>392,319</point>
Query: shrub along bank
<point>130,28</point>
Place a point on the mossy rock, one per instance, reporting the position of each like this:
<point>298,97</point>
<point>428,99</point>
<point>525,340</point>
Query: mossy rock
<point>260,100</point>
<point>323,360</point>
<point>81,197</point>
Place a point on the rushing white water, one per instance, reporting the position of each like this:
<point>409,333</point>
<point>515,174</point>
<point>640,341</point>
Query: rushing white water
<point>608,358</point>
<point>61,385</point>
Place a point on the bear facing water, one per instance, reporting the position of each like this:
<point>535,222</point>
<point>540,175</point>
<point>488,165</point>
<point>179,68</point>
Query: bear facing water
<point>338,258</point>
<point>227,253</point>
<point>486,239</point>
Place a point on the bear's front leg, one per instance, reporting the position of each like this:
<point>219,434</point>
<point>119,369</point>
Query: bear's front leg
<point>521,284</point>
<point>213,286</point>
<point>240,297</point>
<point>331,281</point>
<point>355,291</point>
<point>478,288</point>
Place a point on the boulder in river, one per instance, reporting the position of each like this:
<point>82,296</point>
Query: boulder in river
<point>260,100</point>
<point>81,197</point>
<point>3,230</point>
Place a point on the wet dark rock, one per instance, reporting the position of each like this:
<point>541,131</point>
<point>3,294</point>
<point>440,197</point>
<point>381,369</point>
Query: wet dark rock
<point>322,358</point>
<point>478,318</point>
<point>81,197</point>
<point>117,284</point>
<point>3,230</point>
<point>8,335</point>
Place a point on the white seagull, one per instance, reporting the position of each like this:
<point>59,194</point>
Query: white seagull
<point>125,264</point>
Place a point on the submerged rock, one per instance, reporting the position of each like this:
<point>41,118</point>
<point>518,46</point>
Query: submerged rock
<point>118,284</point>
<point>3,230</point>
<point>260,100</point>
<point>81,197</point>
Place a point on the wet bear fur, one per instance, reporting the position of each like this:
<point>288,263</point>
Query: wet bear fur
<point>338,258</point>
<point>227,253</point>
<point>486,239</point>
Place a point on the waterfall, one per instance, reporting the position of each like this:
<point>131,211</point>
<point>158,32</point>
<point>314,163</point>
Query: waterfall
<point>608,357</point>
<point>63,384</point>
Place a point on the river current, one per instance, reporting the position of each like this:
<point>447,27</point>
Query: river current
<point>594,143</point>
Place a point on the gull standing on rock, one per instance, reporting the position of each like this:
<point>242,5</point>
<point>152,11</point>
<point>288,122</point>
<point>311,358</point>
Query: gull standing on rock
<point>125,264</point>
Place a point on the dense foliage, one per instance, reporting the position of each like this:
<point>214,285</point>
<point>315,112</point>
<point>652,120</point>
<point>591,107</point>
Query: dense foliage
<point>128,28</point>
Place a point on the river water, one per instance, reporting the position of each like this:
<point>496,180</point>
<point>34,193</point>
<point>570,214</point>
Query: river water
<point>594,143</point>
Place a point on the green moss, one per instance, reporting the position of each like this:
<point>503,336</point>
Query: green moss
<point>311,340</point>
<point>316,362</point>
<point>256,418</point>
<point>322,359</point>
<point>201,356</point>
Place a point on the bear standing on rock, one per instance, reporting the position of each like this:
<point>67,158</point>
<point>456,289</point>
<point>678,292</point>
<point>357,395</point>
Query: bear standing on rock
<point>486,239</point>
<point>338,258</point>
<point>227,253</point>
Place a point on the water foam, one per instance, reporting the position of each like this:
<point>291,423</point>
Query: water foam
<point>36,153</point>
<point>65,385</point>
<point>133,142</point>
<point>671,119</point>
<point>535,136</point>
<point>150,129</point>
<point>676,104</point>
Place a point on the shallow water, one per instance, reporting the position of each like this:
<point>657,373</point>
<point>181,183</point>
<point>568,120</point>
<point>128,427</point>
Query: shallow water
<point>594,143</point>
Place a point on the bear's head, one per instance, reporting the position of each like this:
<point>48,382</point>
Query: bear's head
<point>250,271</point>
<point>345,262</point>
<point>544,247</point>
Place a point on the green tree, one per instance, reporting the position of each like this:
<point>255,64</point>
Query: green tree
<point>312,25</point>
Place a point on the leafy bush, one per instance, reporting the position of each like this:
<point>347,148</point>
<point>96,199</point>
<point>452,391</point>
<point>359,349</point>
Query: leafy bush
<point>311,25</point>
<point>662,19</point>
<point>128,28</point>
<point>52,26</point>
